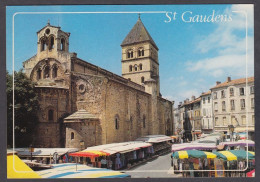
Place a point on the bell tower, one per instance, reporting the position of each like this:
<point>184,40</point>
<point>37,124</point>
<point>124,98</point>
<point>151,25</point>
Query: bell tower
<point>51,40</point>
<point>140,58</point>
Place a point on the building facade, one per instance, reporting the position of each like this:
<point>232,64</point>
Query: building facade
<point>228,103</point>
<point>206,113</point>
<point>83,103</point>
<point>233,104</point>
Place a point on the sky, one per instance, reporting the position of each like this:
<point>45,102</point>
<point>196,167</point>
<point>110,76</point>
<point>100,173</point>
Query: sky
<point>193,55</point>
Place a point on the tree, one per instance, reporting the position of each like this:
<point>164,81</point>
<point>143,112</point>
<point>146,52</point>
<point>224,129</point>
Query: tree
<point>25,109</point>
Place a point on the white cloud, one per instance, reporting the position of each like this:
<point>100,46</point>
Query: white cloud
<point>225,55</point>
<point>228,43</point>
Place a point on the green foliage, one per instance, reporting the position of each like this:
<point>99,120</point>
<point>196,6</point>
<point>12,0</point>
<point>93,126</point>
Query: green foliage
<point>25,109</point>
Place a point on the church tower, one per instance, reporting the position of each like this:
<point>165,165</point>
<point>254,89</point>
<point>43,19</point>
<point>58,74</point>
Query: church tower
<point>51,40</point>
<point>140,58</point>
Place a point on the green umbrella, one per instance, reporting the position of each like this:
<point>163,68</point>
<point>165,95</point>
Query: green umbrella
<point>231,155</point>
<point>185,154</point>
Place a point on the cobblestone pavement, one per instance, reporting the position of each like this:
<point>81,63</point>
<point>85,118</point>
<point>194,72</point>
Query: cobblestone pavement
<point>157,168</point>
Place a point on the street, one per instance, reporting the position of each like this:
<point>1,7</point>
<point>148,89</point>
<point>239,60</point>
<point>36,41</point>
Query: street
<point>156,168</point>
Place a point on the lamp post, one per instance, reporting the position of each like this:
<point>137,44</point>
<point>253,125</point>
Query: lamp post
<point>231,128</point>
<point>31,149</point>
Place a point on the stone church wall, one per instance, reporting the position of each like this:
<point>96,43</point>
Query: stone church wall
<point>165,116</point>
<point>89,132</point>
<point>48,133</point>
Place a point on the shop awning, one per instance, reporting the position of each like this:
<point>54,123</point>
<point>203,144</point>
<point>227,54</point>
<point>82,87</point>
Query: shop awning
<point>185,154</point>
<point>16,168</point>
<point>230,155</point>
<point>244,129</point>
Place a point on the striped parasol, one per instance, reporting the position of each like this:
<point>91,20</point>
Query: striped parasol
<point>230,155</point>
<point>185,154</point>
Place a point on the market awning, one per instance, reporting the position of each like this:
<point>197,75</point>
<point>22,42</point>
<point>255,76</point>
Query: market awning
<point>154,138</point>
<point>193,146</point>
<point>89,153</point>
<point>16,168</point>
<point>174,137</point>
<point>231,155</point>
<point>251,173</point>
<point>185,154</point>
<point>44,152</point>
<point>239,143</point>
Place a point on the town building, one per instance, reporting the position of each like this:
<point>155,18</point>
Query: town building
<point>83,104</point>
<point>178,120</point>
<point>233,104</point>
<point>190,118</point>
<point>206,113</point>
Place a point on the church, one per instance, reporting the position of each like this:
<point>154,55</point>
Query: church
<point>82,103</point>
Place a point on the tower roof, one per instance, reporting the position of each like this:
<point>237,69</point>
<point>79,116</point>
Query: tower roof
<point>49,25</point>
<point>138,34</point>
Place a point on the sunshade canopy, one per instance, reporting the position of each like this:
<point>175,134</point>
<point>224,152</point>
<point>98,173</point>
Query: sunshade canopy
<point>44,152</point>
<point>193,146</point>
<point>68,170</point>
<point>230,155</point>
<point>185,154</point>
<point>239,143</point>
<point>110,149</point>
<point>16,168</point>
<point>89,153</point>
<point>154,138</point>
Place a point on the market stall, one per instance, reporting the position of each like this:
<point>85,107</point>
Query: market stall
<point>240,144</point>
<point>236,162</point>
<point>192,162</point>
<point>46,155</point>
<point>161,143</point>
<point>114,156</point>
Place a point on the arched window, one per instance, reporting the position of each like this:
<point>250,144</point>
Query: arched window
<point>136,67</point>
<point>141,52</point>
<point>54,71</point>
<point>130,53</point>
<point>51,44</point>
<point>47,72</point>
<point>130,68</point>
<point>50,115</point>
<point>142,79</point>
<point>39,74</point>
<point>144,121</point>
<point>140,66</point>
<point>43,45</point>
<point>72,135</point>
<point>116,123</point>
<point>62,45</point>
